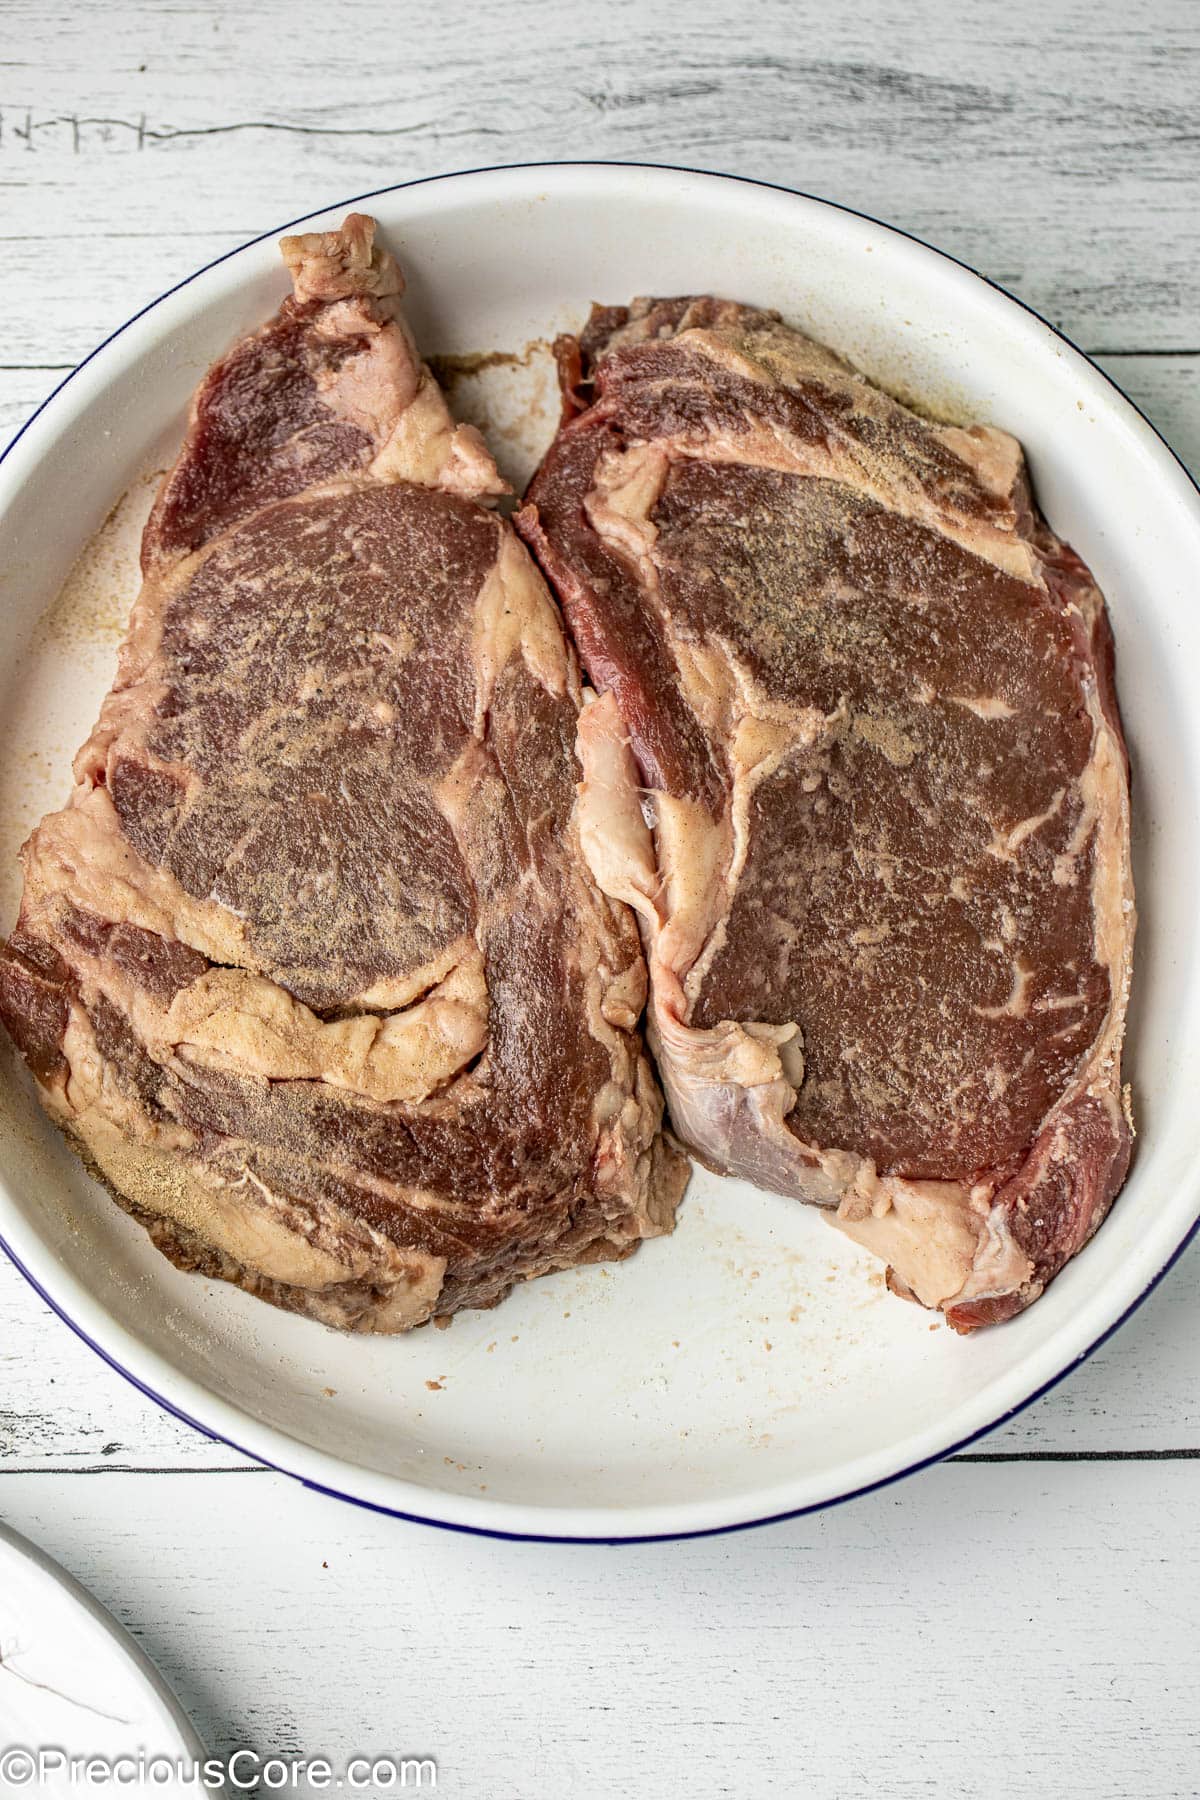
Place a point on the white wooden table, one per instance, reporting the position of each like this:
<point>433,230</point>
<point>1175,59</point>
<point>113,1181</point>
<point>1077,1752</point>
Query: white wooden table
<point>1022,1620</point>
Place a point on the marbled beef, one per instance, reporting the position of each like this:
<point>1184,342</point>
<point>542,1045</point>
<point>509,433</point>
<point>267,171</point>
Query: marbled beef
<point>311,967</point>
<point>858,765</point>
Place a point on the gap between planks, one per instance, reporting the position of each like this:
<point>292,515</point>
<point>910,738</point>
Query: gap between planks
<point>1178,1454</point>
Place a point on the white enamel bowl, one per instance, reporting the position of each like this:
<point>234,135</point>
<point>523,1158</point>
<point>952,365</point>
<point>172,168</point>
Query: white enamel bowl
<point>752,1365</point>
<point>80,1688</point>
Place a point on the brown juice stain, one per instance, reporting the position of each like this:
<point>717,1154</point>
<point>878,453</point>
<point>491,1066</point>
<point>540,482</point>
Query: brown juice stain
<point>511,396</point>
<point>450,367</point>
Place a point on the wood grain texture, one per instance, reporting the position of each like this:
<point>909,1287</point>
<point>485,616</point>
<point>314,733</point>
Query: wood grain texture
<point>1025,1626</point>
<point>1053,146</point>
<point>977,1631</point>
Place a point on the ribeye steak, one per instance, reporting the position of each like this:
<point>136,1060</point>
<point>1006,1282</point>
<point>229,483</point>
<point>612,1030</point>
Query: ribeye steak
<point>311,966</point>
<point>858,765</point>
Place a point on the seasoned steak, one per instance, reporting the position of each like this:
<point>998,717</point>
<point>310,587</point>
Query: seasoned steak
<point>311,967</point>
<point>858,765</point>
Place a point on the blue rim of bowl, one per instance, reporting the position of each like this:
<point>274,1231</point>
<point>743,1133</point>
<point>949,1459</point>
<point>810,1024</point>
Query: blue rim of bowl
<point>650,1537</point>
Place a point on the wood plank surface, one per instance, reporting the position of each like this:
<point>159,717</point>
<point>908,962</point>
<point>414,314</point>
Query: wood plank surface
<point>1054,146</point>
<point>977,1631</point>
<point>1023,1620</point>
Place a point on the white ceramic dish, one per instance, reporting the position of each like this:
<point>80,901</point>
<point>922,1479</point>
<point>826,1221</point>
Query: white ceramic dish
<point>752,1365</point>
<point>76,1685</point>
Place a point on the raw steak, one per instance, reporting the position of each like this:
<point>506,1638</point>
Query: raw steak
<point>859,768</point>
<point>311,966</point>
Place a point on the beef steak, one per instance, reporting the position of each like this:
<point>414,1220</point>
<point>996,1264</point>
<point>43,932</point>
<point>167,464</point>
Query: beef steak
<point>858,766</point>
<point>311,966</point>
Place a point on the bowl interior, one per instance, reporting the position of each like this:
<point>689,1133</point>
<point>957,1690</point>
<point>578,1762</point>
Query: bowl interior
<point>753,1362</point>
